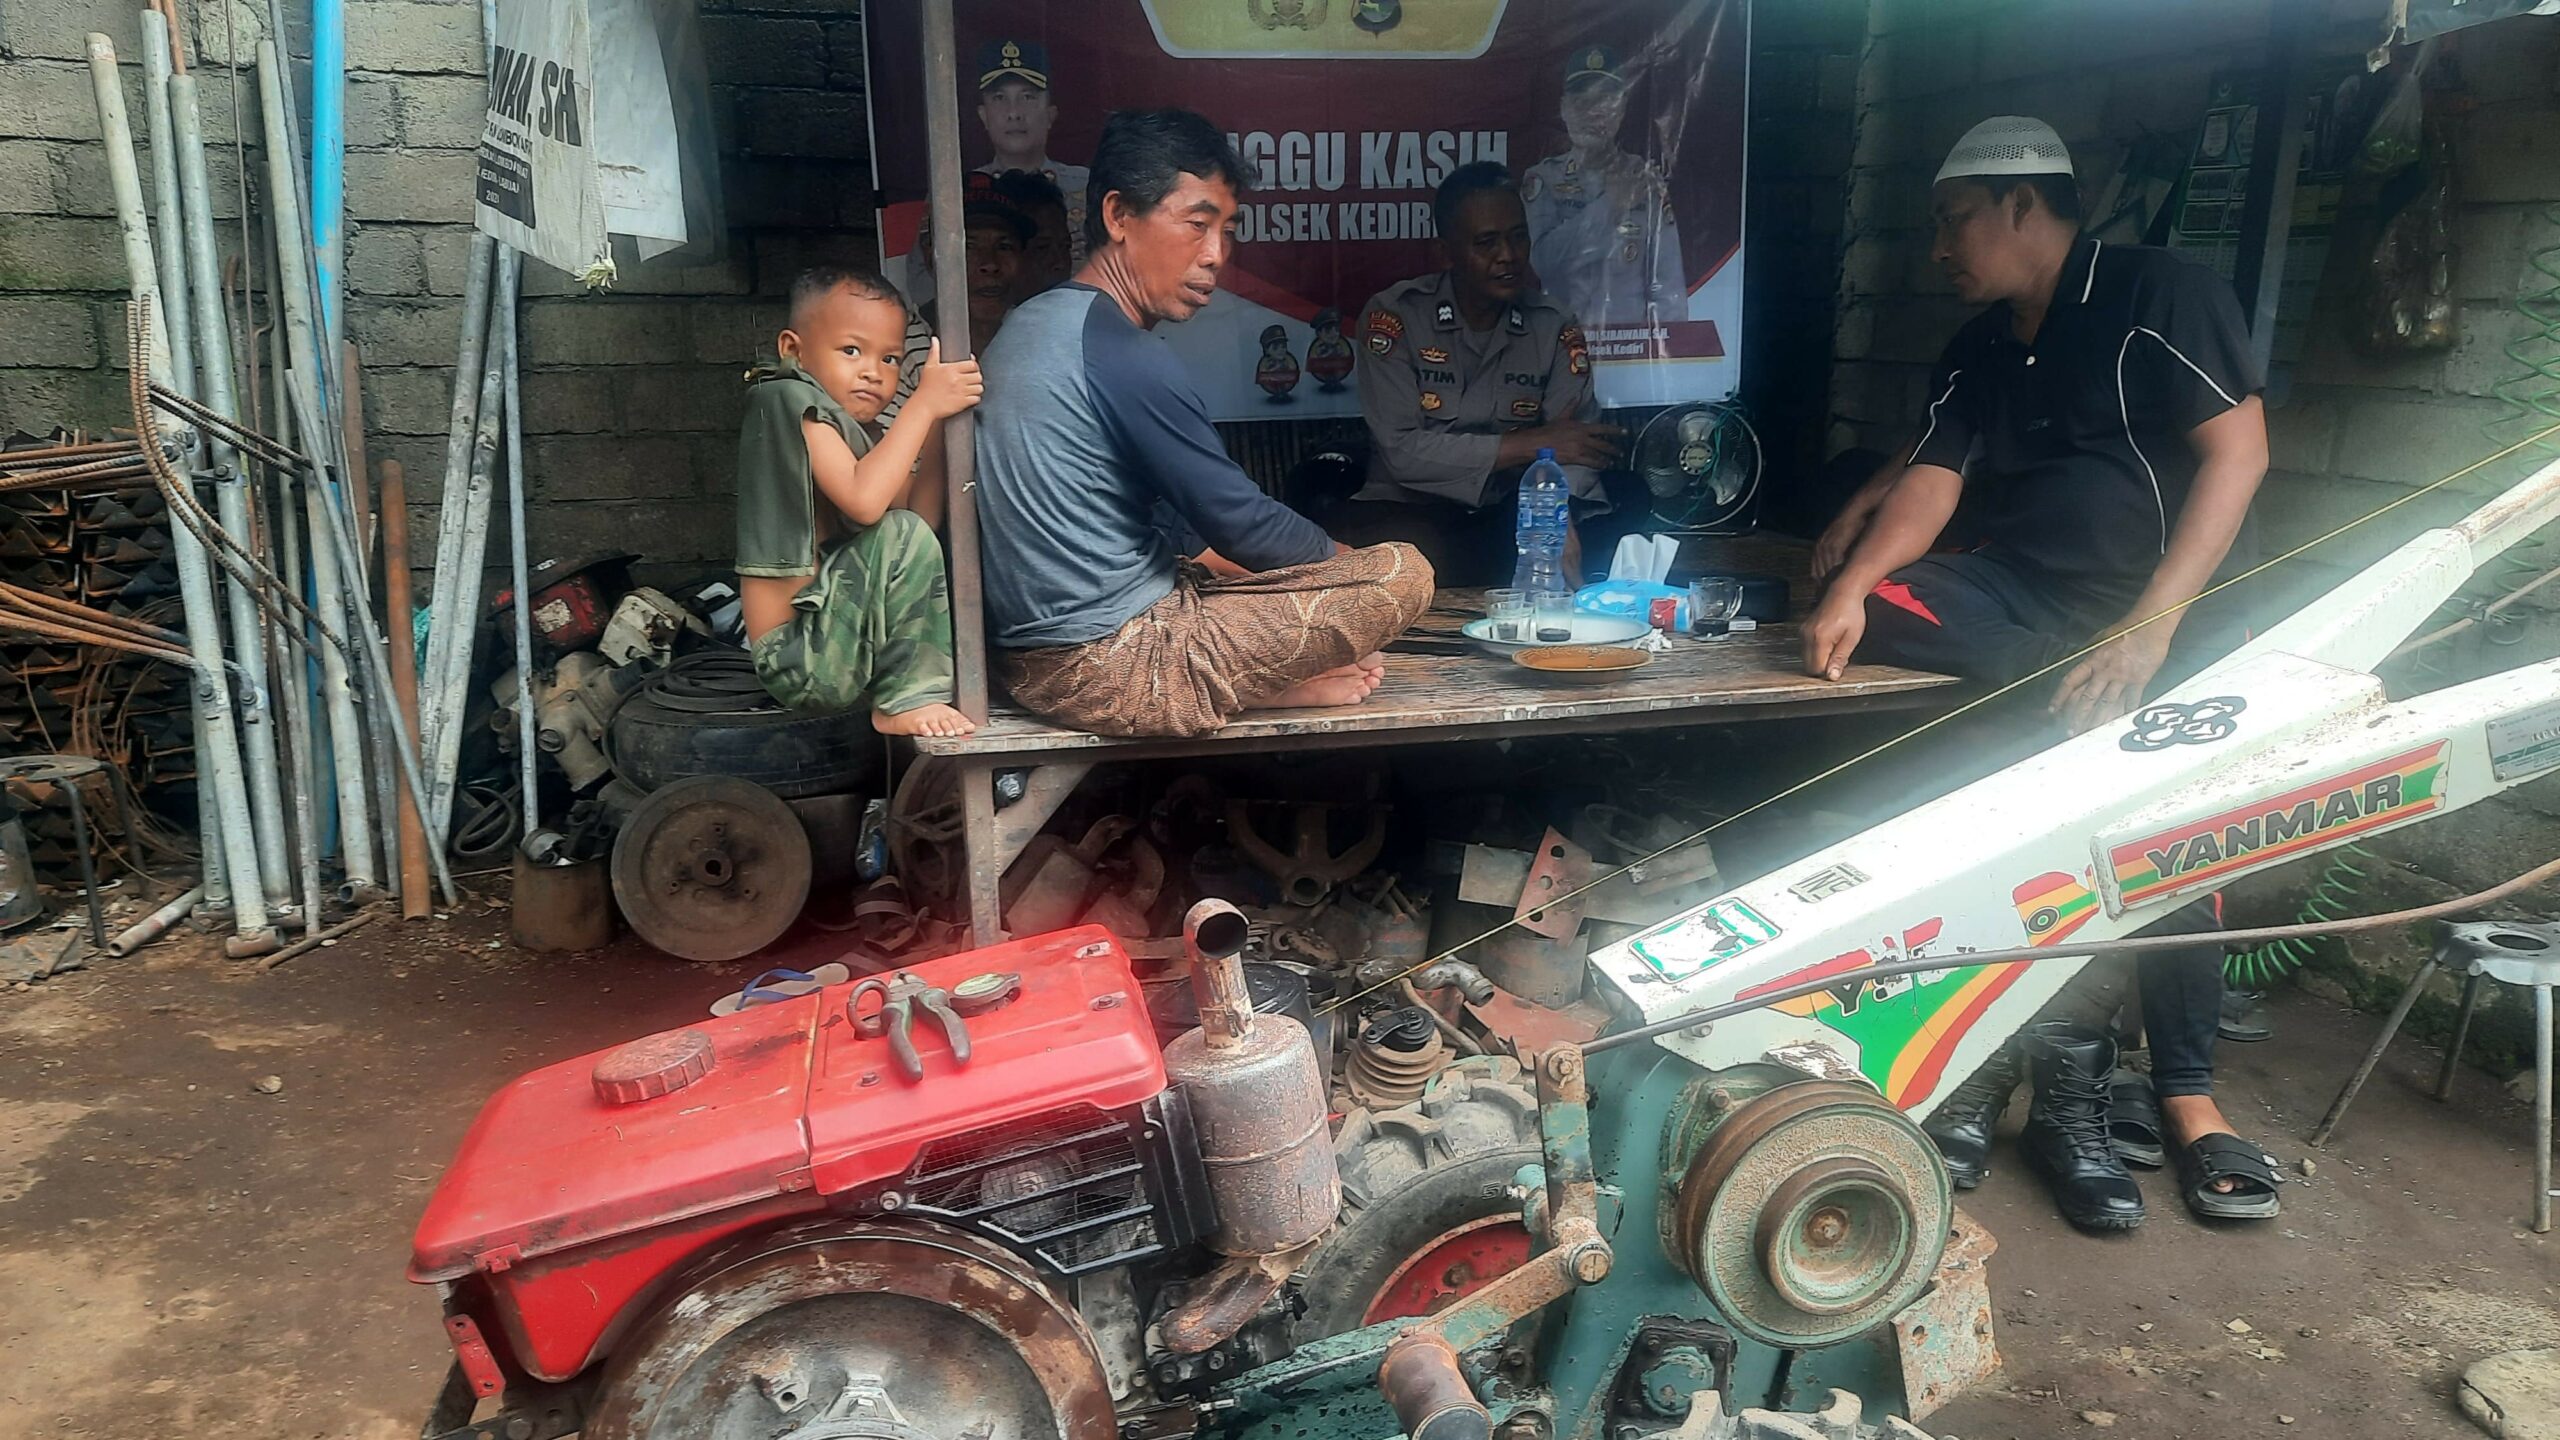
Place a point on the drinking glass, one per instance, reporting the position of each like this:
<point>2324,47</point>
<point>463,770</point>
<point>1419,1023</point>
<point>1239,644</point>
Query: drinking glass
<point>1509,611</point>
<point>1555,617</point>
<point>1713,602</point>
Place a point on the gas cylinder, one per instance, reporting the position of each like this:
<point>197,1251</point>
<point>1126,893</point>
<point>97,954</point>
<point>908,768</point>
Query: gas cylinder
<point>1257,1098</point>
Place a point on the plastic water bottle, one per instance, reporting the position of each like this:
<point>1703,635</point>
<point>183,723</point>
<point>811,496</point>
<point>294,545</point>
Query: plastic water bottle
<point>1540,531</point>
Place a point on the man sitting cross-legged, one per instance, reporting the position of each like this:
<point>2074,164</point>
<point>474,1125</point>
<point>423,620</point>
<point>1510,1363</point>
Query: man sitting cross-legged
<point>1137,582</point>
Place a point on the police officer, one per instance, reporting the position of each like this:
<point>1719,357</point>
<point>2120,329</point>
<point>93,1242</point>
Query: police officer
<point>1015,106</point>
<point>1602,234</point>
<point>1465,375</point>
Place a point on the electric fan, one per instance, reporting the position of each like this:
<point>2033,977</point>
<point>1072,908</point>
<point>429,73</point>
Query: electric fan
<point>1701,464</point>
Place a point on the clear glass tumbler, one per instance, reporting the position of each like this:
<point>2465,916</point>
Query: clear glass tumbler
<point>1509,611</point>
<point>1713,602</point>
<point>1555,617</point>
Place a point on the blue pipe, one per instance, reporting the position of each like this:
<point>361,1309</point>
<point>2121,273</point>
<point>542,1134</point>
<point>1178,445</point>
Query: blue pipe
<point>329,159</point>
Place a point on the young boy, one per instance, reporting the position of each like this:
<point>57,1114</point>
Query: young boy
<point>842,585</point>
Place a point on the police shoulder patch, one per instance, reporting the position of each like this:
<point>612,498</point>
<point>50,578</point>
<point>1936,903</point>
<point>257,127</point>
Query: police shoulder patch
<point>1577,355</point>
<point>1383,328</point>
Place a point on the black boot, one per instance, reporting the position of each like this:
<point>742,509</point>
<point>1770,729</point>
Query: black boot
<point>2066,1137</point>
<point>1961,1128</point>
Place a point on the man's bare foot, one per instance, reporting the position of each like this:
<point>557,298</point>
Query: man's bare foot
<point>1328,691</point>
<point>2191,1118</point>
<point>923,720</point>
<point>1375,662</point>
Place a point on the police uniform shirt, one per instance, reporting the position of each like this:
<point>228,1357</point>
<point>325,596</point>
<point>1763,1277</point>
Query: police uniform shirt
<point>1604,239</point>
<point>2078,441</point>
<point>1071,181</point>
<point>1438,396</point>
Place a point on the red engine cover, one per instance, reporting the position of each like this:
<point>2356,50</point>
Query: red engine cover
<point>572,1206</point>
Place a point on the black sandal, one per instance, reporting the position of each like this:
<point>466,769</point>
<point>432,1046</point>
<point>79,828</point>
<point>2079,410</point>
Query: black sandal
<point>2228,1157</point>
<point>2133,1121</point>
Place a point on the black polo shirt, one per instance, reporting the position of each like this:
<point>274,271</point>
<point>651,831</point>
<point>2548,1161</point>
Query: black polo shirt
<point>2076,446</point>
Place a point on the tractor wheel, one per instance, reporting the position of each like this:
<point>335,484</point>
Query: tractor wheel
<point>1427,1210</point>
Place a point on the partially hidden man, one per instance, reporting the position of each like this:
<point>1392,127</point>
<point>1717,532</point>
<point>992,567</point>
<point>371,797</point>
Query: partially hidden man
<point>1137,581</point>
<point>840,578</point>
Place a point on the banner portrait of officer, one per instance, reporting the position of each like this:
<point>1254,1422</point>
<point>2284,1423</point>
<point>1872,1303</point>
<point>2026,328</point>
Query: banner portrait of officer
<point>1602,235</point>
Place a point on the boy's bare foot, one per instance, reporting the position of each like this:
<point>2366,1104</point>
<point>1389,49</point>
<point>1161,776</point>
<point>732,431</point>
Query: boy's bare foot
<point>1332,689</point>
<point>923,720</point>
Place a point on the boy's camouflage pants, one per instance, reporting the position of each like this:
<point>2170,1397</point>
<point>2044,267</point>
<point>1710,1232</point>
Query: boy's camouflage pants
<point>872,629</point>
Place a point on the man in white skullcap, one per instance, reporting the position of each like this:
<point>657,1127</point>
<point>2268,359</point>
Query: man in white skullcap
<point>2102,414</point>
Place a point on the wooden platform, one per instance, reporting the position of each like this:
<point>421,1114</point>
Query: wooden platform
<point>1477,696</point>
<point>1426,698</point>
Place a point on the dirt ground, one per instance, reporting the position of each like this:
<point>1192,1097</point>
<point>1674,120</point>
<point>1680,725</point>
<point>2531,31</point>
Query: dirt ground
<point>183,1254</point>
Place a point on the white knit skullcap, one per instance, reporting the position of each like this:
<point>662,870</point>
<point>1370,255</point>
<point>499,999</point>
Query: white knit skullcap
<point>2008,145</point>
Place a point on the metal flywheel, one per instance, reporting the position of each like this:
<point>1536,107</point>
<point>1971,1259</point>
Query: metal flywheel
<point>711,868</point>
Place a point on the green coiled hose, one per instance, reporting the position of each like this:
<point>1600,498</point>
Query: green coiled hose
<point>2332,897</point>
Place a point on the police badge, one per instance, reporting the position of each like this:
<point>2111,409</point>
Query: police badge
<point>1383,330</point>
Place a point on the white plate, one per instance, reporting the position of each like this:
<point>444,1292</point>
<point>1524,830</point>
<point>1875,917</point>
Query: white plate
<point>1588,629</point>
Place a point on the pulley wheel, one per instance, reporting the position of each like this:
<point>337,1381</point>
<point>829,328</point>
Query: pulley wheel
<point>1814,1212</point>
<point>711,868</point>
<point>857,1330</point>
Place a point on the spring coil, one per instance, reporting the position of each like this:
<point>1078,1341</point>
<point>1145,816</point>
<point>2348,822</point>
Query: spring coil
<point>2333,897</point>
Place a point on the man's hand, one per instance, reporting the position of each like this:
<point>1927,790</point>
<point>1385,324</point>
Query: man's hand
<point>944,390</point>
<point>1831,551</point>
<point>2109,681</point>
<point>1832,632</point>
<point>1591,446</point>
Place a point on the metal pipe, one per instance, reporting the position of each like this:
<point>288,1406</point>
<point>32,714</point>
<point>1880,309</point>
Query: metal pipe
<point>219,758</point>
<point>959,433</point>
<point>317,939</point>
<point>230,489</point>
<point>294,672</point>
<point>154,925</point>
<point>329,158</point>
<point>523,608</point>
<point>450,685</point>
<point>378,667</point>
<point>462,422</point>
<point>302,341</point>
<point>167,247</point>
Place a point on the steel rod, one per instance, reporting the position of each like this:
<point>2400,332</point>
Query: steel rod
<point>293,667</point>
<point>528,754</point>
<point>302,343</point>
<point>318,938</point>
<point>449,685</point>
<point>959,433</point>
<point>462,423</point>
<point>218,761</point>
<point>212,335</point>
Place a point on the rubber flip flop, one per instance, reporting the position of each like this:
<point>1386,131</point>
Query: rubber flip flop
<point>2133,1121</point>
<point>778,985</point>
<point>2244,1017</point>
<point>2228,1157</point>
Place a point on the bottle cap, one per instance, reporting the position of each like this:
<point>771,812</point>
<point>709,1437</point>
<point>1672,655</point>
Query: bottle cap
<point>1546,452</point>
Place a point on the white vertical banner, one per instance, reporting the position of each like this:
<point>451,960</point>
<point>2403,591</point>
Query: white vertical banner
<point>538,187</point>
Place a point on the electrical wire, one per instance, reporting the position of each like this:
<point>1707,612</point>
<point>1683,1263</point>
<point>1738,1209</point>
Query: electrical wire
<point>2130,945</point>
<point>1927,725</point>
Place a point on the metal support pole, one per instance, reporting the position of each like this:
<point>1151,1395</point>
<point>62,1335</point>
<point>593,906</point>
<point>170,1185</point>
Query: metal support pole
<point>230,491</point>
<point>951,280</point>
<point>302,340</point>
<point>450,686</point>
<point>167,247</point>
<point>2541,1109</point>
<point>2373,1057</point>
<point>2266,206</point>
<point>527,753</point>
<point>446,613</point>
<point>2461,1033</point>
<point>294,667</point>
<point>219,760</point>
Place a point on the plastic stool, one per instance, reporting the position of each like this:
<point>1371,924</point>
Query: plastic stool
<point>2525,955</point>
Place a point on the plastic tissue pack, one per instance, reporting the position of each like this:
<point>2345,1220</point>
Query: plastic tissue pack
<point>1635,582</point>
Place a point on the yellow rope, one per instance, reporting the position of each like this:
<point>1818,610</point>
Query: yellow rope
<point>1926,726</point>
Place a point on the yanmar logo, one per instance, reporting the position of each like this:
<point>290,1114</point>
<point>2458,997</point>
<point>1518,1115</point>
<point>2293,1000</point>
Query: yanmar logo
<point>2203,851</point>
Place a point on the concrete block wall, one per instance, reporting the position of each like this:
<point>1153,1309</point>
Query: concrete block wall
<point>631,398</point>
<point>2347,433</point>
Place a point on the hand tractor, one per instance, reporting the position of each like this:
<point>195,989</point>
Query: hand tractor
<point>978,1200</point>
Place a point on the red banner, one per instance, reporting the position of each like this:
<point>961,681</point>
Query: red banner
<point>1622,119</point>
